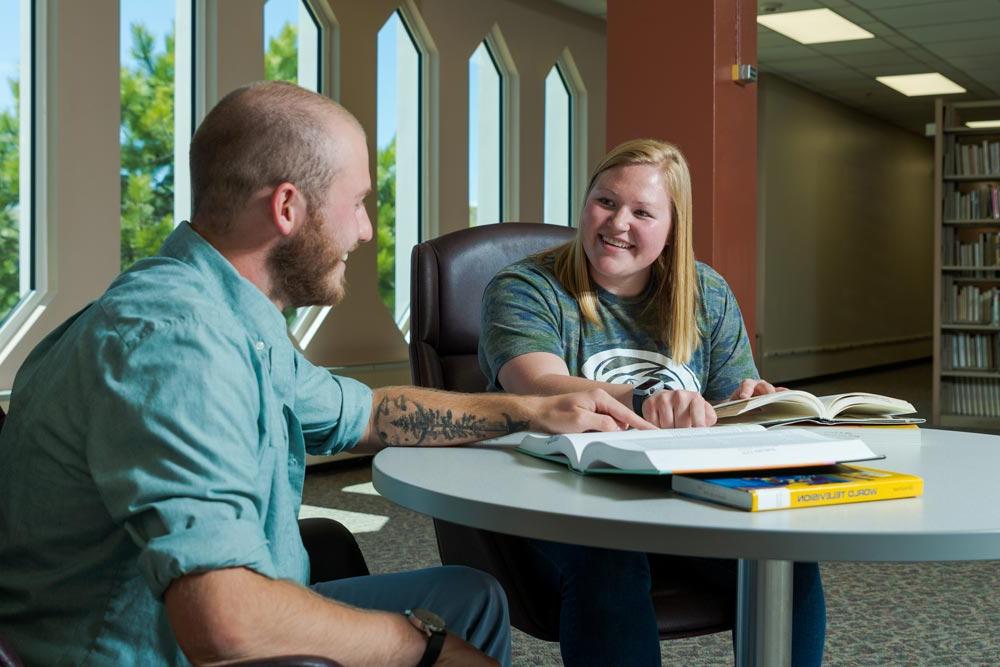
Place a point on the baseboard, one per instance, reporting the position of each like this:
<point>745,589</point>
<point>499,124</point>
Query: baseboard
<point>791,365</point>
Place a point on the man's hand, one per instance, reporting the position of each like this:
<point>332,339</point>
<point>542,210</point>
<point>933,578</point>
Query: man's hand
<point>457,653</point>
<point>593,410</point>
<point>750,388</point>
<point>678,409</point>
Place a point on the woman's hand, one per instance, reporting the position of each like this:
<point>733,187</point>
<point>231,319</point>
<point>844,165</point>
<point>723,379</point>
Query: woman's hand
<point>750,388</point>
<point>678,409</point>
<point>581,411</point>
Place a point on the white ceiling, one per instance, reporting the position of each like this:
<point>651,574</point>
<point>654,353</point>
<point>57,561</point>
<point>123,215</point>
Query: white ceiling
<point>958,38</point>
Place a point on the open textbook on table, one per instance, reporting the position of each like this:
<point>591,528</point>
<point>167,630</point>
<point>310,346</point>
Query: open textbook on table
<point>716,448</point>
<point>794,406</point>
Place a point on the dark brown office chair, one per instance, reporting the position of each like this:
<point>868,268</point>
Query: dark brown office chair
<point>333,554</point>
<point>449,275</point>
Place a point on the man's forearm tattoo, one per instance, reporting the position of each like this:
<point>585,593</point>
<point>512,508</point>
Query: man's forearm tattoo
<point>402,421</point>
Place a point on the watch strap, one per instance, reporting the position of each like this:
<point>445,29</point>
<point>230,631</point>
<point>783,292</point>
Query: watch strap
<point>637,401</point>
<point>435,642</point>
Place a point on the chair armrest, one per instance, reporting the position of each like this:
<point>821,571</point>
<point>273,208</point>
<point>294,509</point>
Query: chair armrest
<point>287,661</point>
<point>333,551</point>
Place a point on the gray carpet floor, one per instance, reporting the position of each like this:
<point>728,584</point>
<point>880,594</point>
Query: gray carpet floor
<point>931,614</point>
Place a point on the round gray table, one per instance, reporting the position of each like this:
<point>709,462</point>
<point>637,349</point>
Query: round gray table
<point>494,488</point>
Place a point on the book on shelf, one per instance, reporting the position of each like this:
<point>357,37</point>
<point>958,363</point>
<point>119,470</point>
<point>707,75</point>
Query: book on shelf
<point>981,202</point>
<point>796,406</point>
<point>971,396</point>
<point>967,335</point>
<point>970,351</point>
<point>669,451</point>
<point>979,158</point>
<point>979,250</point>
<point>784,489</point>
<point>969,304</point>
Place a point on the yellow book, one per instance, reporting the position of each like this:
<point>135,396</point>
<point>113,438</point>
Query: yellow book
<point>783,489</point>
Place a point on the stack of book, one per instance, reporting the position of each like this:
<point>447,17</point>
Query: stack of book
<point>734,463</point>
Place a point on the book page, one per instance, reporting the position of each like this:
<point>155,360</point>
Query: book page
<point>861,403</point>
<point>659,433</point>
<point>667,454</point>
<point>791,403</point>
<point>573,445</point>
<point>569,446</point>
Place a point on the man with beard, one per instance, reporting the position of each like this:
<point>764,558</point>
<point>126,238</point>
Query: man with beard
<point>151,467</point>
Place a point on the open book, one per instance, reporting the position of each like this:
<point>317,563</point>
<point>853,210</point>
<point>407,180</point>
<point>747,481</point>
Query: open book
<point>791,406</point>
<point>667,451</point>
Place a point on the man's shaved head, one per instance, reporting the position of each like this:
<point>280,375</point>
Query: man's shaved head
<point>260,136</point>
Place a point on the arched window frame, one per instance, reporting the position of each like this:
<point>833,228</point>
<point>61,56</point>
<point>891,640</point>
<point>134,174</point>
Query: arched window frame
<point>509,122</point>
<point>307,323</point>
<point>189,54</point>
<point>570,74</point>
<point>428,149</point>
<point>36,267</point>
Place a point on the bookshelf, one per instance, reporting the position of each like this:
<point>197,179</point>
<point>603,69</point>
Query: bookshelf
<point>966,266</point>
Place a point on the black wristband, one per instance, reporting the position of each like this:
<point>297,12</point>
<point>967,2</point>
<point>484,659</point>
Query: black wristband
<point>435,642</point>
<point>637,402</point>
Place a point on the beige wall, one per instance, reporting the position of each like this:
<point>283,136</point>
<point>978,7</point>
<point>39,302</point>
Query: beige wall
<point>845,237</point>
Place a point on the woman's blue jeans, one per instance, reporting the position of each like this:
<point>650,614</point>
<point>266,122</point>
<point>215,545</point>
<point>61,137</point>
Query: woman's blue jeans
<point>607,617</point>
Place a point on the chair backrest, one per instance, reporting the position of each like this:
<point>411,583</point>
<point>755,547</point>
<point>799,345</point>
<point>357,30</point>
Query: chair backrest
<point>449,275</point>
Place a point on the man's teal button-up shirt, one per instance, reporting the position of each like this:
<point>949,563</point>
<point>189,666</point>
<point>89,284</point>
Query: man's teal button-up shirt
<point>160,431</point>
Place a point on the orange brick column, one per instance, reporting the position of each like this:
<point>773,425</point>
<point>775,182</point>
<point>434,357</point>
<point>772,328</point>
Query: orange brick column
<point>670,77</point>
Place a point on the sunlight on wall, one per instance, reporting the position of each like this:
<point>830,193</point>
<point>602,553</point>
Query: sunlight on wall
<point>485,138</point>
<point>557,149</point>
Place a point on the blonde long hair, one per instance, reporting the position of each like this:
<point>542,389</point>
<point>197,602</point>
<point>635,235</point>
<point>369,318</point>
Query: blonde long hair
<point>675,297</point>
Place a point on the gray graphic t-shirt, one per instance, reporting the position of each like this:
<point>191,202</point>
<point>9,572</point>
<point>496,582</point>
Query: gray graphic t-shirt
<point>525,309</point>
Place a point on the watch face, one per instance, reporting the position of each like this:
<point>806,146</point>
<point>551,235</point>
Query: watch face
<point>431,621</point>
<point>647,385</point>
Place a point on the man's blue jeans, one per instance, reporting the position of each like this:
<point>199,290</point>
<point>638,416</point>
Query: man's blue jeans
<point>472,604</point>
<point>607,617</point>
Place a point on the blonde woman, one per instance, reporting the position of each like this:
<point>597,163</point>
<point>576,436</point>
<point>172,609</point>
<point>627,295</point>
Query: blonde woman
<point>625,307</point>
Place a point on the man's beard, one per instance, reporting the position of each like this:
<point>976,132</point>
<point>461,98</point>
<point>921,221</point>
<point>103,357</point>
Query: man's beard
<point>301,265</point>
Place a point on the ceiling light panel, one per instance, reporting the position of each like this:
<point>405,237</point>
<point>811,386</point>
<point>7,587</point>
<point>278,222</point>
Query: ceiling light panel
<point>814,26</point>
<point>915,85</point>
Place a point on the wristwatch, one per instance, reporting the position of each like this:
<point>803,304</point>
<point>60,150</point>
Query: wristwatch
<point>644,390</point>
<point>433,626</point>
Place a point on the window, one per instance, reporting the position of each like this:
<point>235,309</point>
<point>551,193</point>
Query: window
<point>292,38</point>
<point>16,223</point>
<point>558,142</point>
<point>147,126</point>
<point>398,142</point>
<point>485,138</point>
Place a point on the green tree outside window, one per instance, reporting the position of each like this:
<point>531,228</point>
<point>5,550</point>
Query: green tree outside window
<point>9,189</point>
<point>147,146</point>
<point>385,180</point>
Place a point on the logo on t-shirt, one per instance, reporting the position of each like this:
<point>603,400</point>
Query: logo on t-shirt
<point>623,366</point>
